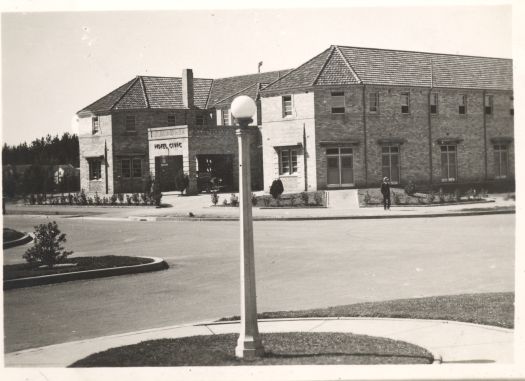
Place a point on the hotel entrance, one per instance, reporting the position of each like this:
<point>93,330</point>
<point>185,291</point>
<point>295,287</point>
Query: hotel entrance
<point>170,173</point>
<point>340,167</point>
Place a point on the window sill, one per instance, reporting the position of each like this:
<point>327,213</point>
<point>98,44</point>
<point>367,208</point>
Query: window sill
<point>293,175</point>
<point>96,180</point>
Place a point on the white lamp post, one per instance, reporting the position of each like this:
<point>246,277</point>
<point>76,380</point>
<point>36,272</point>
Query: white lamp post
<point>249,344</point>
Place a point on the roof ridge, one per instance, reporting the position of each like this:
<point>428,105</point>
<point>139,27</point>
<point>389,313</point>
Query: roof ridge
<point>248,75</point>
<point>417,51</point>
<point>124,93</point>
<point>348,64</point>
<point>145,92</point>
<point>166,77</point>
<point>297,68</point>
<point>324,65</point>
<point>102,97</point>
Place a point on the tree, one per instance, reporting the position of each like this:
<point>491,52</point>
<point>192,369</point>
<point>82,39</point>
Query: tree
<point>47,248</point>
<point>277,188</point>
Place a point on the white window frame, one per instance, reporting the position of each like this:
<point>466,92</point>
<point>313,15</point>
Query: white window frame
<point>488,104</point>
<point>95,125</point>
<point>288,155</point>
<point>134,162</point>
<point>390,154</point>
<point>373,99</point>
<point>434,100</point>
<point>498,150</point>
<point>287,105</point>
<point>407,105</point>
<point>449,179</point>
<point>95,165</point>
<point>462,103</point>
<point>131,123</point>
<point>225,117</point>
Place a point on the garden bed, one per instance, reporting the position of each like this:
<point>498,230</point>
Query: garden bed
<point>26,270</point>
<point>12,235</point>
<point>290,348</point>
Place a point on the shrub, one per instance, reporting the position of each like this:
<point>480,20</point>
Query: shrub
<point>156,194</point>
<point>120,198</point>
<point>234,200</point>
<point>113,199</point>
<point>410,188</point>
<point>431,197</point>
<point>254,199</point>
<point>83,198</point>
<point>47,248</point>
<point>105,200</point>
<point>144,198</point>
<point>396,199</point>
<point>128,199</point>
<point>97,199</point>
<point>318,198</point>
<point>441,195</point>
<point>70,199</point>
<point>63,199</point>
<point>266,201</point>
<point>457,195</point>
<point>32,199</point>
<point>214,198</point>
<point>292,201</point>
<point>90,200</point>
<point>39,199</point>
<point>225,202</point>
<point>277,188</point>
<point>304,198</point>
<point>135,198</point>
<point>366,198</point>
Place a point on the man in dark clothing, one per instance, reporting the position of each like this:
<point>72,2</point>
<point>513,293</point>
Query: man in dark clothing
<point>385,190</point>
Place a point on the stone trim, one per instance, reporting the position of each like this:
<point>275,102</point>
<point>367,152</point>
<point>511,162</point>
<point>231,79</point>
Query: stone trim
<point>449,140</point>
<point>391,141</point>
<point>501,139</point>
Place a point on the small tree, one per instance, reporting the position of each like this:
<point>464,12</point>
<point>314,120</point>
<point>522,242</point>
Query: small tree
<point>214,198</point>
<point>47,248</point>
<point>277,188</point>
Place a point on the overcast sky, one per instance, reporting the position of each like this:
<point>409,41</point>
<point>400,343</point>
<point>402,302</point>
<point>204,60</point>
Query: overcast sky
<point>54,64</point>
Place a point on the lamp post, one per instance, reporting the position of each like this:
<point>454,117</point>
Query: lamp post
<point>249,344</point>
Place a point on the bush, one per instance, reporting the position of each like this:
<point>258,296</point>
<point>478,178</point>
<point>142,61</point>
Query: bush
<point>32,199</point>
<point>214,198</point>
<point>366,198</point>
<point>318,198</point>
<point>97,199</point>
<point>128,199</point>
<point>410,188</point>
<point>144,198</point>
<point>277,188</point>
<point>254,199</point>
<point>47,248</point>
<point>90,200</point>
<point>234,200</point>
<point>441,195</point>
<point>156,194</point>
<point>113,199</point>
<point>395,197</point>
<point>70,199</point>
<point>431,197</point>
<point>135,198</point>
<point>225,202</point>
<point>457,195</point>
<point>304,198</point>
<point>82,197</point>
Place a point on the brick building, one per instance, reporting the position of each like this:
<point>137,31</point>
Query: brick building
<point>346,118</point>
<point>350,116</point>
<point>167,127</point>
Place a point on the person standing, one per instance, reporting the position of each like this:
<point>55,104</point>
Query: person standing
<point>385,191</point>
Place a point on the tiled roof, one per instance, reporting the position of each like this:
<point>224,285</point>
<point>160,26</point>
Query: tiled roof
<point>145,92</point>
<point>151,92</point>
<point>341,65</point>
<point>224,88</point>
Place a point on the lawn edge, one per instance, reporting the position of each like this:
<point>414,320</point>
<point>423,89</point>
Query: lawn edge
<point>18,242</point>
<point>157,265</point>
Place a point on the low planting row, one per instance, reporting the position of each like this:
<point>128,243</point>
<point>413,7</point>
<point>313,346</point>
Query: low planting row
<point>289,200</point>
<point>81,198</point>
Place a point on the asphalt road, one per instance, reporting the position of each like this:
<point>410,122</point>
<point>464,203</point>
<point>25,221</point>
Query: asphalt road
<point>301,264</point>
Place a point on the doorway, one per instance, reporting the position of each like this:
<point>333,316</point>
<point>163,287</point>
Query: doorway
<point>170,173</point>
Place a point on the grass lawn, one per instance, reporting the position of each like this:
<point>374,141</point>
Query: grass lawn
<point>294,348</point>
<point>11,235</point>
<point>491,309</point>
<point>24,270</point>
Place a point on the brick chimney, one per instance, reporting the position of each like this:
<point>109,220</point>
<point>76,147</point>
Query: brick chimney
<point>187,88</point>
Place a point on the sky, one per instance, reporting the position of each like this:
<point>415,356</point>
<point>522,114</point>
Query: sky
<point>56,63</point>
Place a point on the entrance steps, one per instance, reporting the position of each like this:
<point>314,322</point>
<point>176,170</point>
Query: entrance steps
<point>343,199</point>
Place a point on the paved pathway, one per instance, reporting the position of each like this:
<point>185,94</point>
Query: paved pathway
<point>452,342</point>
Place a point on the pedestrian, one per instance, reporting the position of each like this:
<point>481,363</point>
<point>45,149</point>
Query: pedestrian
<point>385,191</point>
<point>185,184</point>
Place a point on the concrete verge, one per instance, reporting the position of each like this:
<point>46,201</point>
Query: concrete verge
<point>156,265</point>
<point>17,242</point>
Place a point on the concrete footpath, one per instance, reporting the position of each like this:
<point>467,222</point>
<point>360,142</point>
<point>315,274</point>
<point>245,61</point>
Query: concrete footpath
<point>450,342</point>
<point>343,205</point>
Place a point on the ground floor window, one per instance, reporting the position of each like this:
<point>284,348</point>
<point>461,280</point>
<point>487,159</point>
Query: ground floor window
<point>390,163</point>
<point>501,160</point>
<point>131,167</point>
<point>95,170</point>
<point>448,163</point>
<point>287,161</point>
<point>340,166</point>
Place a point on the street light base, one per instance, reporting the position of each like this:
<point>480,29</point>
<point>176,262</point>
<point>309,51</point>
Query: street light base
<point>249,349</point>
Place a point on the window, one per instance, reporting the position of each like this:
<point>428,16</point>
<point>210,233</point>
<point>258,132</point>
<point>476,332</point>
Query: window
<point>130,123</point>
<point>511,105</point>
<point>339,167</point>
<point>501,160</point>
<point>488,104</point>
<point>131,167</point>
<point>390,163</point>
<point>448,164</point>
<point>95,125</point>
<point>373,102</point>
<point>95,169</point>
<point>287,162</point>
<point>226,117</point>
<point>199,120</point>
<point>338,102</point>
<point>287,105</point>
<point>405,103</point>
<point>462,104</point>
<point>171,120</point>
<point>433,103</point>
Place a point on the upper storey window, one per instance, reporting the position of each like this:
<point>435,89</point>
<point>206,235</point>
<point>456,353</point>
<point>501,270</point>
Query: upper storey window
<point>462,104</point>
<point>338,102</point>
<point>287,105</point>
<point>433,103</point>
<point>171,120</point>
<point>130,123</point>
<point>95,125</point>
<point>405,103</point>
<point>489,101</point>
<point>373,102</point>
<point>511,105</point>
